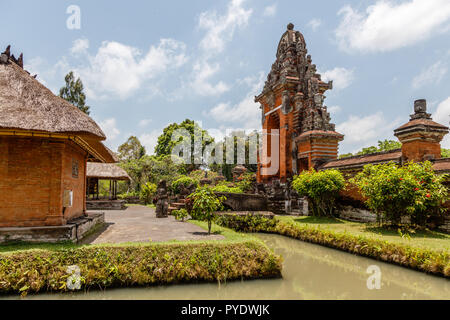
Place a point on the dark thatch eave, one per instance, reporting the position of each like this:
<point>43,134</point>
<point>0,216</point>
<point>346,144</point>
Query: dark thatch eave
<point>25,104</point>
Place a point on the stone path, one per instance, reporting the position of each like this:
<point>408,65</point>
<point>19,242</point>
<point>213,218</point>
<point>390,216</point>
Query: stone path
<point>139,224</point>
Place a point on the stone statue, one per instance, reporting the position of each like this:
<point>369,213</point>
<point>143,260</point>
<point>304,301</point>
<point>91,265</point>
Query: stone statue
<point>277,190</point>
<point>162,200</point>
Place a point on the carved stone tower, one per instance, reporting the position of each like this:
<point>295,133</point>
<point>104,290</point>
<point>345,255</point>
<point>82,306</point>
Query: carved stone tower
<point>292,107</point>
<point>421,137</point>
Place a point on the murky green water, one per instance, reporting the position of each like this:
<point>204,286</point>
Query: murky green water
<point>309,272</point>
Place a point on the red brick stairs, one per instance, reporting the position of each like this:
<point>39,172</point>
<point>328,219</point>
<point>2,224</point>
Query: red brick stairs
<point>180,204</point>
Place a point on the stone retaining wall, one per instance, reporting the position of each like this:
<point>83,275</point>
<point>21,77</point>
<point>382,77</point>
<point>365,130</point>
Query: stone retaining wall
<point>73,231</point>
<point>105,205</point>
<point>244,201</point>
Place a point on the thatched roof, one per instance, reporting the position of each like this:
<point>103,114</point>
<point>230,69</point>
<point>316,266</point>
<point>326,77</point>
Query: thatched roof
<point>28,105</point>
<point>107,171</point>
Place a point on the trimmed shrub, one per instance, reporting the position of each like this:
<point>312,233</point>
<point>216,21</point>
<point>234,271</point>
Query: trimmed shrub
<point>180,214</point>
<point>247,181</point>
<point>321,188</point>
<point>183,181</point>
<point>245,223</point>
<point>411,190</point>
<point>226,189</point>
<point>141,265</point>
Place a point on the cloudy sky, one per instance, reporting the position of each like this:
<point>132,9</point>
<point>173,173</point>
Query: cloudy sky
<point>146,64</point>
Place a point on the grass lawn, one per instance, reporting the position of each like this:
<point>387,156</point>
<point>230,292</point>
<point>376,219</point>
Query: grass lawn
<point>230,237</point>
<point>422,239</point>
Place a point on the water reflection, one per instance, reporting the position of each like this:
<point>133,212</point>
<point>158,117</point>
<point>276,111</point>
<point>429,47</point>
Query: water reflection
<point>309,272</point>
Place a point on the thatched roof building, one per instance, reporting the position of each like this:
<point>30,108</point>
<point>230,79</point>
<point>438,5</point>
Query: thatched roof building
<point>45,144</point>
<point>26,106</point>
<point>106,171</point>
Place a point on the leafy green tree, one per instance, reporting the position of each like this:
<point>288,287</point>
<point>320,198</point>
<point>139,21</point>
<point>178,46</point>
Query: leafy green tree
<point>385,145</point>
<point>445,153</point>
<point>132,149</point>
<point>393,191</point>
<point>321,188</point>
<point>165,143</point>
<point>73,92</point>
<point>226,169</point>
<point>151,169</point>
<point>148,191</point>
<point>205,203</point>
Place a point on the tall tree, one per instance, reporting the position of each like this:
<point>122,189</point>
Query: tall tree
<point>73,92</point>
<point>132,149</point>
<point>166,144</point>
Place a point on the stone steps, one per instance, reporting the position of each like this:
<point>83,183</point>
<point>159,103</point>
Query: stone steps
<point>177,206</point>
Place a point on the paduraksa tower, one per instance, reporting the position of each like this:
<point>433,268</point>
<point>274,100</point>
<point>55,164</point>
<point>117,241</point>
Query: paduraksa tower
<point>292,107</point>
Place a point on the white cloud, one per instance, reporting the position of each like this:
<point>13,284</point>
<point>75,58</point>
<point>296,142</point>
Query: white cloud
<point>341,77</point>
<point>442,116</point>
<point>388,25</point>
<point>220,28</point>
<point>203,71</point>
<point>144,122</point>
<point>109,127</point>
<point>430,75</point>
<point>364,131</point>
<point>246,112</point>
<point>334,109</point>
<point>314,24</point>
<point>270,11</point>
<point>119,70</point>
<point>150,140</point>
<point>79,46</point>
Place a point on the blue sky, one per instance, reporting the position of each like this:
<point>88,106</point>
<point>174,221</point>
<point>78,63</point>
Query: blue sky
<point>146,64</point>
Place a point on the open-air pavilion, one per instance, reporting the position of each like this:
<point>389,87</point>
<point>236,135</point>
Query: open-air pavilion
<point>104,171</point>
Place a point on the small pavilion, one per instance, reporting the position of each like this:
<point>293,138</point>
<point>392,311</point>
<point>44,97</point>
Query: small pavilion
<point>104,171</point>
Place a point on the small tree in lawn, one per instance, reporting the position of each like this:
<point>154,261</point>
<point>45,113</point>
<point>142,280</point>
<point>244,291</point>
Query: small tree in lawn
<point>205,203</point>
<point>321,188</point>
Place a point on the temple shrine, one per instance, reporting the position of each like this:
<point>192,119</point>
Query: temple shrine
<point>294,116</point>
<point>292,107</point>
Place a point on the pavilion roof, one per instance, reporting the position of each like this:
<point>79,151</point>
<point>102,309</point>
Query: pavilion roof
<point>107,171</point>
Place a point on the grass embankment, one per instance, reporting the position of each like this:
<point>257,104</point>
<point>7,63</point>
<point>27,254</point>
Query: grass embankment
<point>424,251</point>
<point>32,268</point>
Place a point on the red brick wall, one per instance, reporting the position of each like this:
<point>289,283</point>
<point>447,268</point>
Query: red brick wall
<point>76,184</point>
<point>416,150</point>
<point>31,185</point>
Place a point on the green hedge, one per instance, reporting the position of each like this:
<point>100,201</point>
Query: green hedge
<point>141,265</point>
<point>246,223</point>
<point>429,261</point>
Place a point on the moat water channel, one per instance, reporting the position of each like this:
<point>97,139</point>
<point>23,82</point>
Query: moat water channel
<point>309,272</point>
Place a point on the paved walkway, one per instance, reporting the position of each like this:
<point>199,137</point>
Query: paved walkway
<point>139,224</point>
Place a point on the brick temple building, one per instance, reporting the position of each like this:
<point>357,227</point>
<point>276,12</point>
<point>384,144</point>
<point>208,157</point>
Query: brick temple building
<point>292,107</point>
<point>45,143</point>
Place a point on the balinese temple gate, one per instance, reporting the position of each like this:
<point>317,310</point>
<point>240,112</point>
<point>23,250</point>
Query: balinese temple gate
<point>292,105</point>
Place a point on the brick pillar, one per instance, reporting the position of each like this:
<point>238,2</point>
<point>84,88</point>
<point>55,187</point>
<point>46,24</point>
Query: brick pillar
<point>284,127</point>
<point>421,137</point>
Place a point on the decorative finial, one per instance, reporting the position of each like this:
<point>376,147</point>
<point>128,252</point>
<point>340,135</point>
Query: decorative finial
<point>420,110</point>
<point>420,106</point>
<point>290,26</point>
